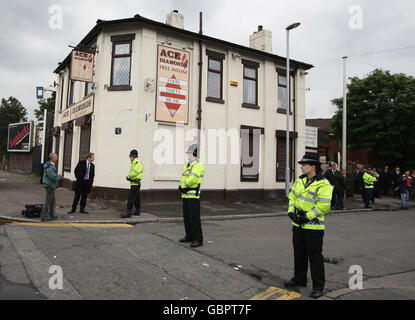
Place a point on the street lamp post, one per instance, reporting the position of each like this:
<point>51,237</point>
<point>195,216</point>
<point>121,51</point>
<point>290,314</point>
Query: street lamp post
<point>344,142</point>
<point>287,165</point>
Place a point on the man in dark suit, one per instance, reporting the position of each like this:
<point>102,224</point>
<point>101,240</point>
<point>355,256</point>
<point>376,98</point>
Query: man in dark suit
<point>386,178</point>
<point>330,175</point>
<point>340,188</point>
<point>84,173</point>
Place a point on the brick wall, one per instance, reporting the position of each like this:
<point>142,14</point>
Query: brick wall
<point>21,162</point>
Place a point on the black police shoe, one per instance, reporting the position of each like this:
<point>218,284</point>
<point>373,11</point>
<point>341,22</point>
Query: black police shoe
<point>71,212</point>
<point>294,283</point>
<point>185,239</point>
<point>83,212</point>
<point>136,213</point>
<point>196,244</point>
<point>317,293</point>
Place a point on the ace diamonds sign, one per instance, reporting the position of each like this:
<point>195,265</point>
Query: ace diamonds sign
<point>173,76</point>
<point>82,66</point>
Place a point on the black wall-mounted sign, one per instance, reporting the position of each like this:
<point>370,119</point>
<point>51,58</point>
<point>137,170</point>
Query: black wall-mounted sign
<point>20,137</point>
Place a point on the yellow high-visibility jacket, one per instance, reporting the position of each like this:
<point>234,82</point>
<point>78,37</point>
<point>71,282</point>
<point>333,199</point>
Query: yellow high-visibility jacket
<point>369,180</point>
<point>192,178</point>
<point>315,200</point>
<point>136,172</point>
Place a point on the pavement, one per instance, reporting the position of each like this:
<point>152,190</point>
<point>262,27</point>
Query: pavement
<point>18,190</point>
<point>247,252</point>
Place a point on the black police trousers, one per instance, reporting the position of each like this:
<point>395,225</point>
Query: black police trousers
<point>134,198</point>
<point>308,246</point>
<point>192,223</point>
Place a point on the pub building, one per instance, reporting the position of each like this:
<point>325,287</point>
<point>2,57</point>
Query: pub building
<point>138,80</point>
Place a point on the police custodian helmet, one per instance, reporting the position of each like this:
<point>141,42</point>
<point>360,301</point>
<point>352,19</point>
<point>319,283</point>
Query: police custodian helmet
<point>193,149</point>
<point>312,159</point>
<point>134,153</point>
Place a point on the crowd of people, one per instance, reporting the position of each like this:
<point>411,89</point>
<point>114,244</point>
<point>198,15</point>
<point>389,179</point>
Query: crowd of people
<point>372,183</point>
<point>388,182</point>
<point>338,180</point>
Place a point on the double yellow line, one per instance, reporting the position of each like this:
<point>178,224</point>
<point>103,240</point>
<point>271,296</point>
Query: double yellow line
<point>272,291</point>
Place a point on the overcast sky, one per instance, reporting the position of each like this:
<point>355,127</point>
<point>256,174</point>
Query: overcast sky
<point>30,50</point>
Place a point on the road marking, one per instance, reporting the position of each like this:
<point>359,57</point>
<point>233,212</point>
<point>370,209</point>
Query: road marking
<point>290,296</point>
<point>71,225</point>
<point>266,294</point>
<point>272,291</point>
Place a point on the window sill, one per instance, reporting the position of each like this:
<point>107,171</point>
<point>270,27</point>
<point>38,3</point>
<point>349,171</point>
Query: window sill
<point>215,100</point>
<point>88,95</point>
<point>120,88</point>
<point>250,106</point>
<point>283,111</point>
<point>250,179</point>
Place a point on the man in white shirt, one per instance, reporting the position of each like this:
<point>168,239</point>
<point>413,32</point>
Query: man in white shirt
<point>85,174</point>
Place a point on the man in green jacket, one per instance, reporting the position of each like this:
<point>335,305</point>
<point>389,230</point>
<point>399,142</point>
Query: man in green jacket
<point>134,177</point>
<point>50,182</point>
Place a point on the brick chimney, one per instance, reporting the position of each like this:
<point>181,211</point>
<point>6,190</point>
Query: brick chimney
<point>261,40</point>
<point>175,19</point>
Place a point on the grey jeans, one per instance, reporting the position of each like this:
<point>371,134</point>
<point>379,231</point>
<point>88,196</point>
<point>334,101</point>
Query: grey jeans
<point>50,204</point>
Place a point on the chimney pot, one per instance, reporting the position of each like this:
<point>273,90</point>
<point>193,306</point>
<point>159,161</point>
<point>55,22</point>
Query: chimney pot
<point>261,40</point>
<point>175,19</point>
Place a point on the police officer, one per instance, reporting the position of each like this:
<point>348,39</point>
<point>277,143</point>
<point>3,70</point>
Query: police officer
<point>191,181</point>
<point>134,177</point>
<point>369,181</point>
<point>309,201</point>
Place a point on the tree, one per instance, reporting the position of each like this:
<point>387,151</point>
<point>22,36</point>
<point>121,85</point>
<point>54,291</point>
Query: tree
<point>11,111</point>
<point>45,104</point>
<point>381,118</point>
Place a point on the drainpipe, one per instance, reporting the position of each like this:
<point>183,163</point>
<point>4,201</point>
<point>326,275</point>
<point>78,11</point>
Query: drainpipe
<point>45,119</point>
<point>199,110</point>
<point>295,127</point>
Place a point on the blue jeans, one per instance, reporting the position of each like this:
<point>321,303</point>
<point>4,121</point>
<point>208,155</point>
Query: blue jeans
<point>404,198</point>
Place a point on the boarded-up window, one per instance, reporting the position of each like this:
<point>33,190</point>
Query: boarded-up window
<point>282,158</point>
<point>67,151</point>
<point>250,153</point>
<point>85,141</point>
